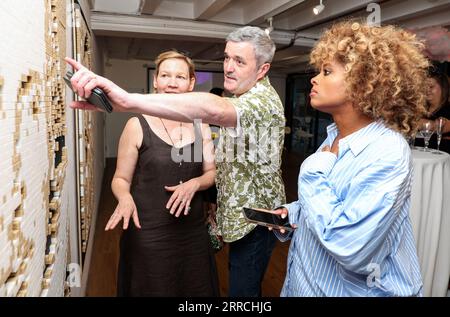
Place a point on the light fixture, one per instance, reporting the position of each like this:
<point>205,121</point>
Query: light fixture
<point>270,27</point>
<point>318,8</point>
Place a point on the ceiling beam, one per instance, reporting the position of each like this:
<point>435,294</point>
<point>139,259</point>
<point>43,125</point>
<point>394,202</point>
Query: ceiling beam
<point>206,9</point>
<point>441,18</point>
<point>118,6</point>
<point>305,18</point>
<point>294,69</point>
<point>176,9</point>
<point>150,6</point>
<point>293,60</point>
<point>405,13</point>
<point>403,10</point>
<point>256,12</point>
<point>211,52</point>
<point>104,23</point>
<point>230,14</point>
<point>287,53</point>
<point>91,4</point>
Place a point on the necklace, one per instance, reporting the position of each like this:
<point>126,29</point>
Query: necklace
<point>168,134</point>
<point>173,143</point>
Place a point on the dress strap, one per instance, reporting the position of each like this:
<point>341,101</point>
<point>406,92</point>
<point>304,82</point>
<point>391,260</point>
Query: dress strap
<point>145,132</point>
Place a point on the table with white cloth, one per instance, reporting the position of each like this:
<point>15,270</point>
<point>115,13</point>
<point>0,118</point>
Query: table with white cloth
<point>430,216</point>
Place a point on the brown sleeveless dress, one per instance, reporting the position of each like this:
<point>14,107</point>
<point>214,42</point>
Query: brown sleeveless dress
<point>169,256</point>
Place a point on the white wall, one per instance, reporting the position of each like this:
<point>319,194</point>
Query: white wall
<point>131,76</point>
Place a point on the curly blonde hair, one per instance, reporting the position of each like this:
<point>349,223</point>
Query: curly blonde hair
<point>386,72</point>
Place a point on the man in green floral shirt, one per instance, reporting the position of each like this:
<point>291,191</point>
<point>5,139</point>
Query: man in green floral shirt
<point>248,157</point>
<point>249,176</point>
<point>249,151</point>
<point>255,181</point>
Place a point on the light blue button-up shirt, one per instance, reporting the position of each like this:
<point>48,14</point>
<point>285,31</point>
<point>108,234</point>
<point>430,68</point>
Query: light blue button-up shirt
<point>354,235</point>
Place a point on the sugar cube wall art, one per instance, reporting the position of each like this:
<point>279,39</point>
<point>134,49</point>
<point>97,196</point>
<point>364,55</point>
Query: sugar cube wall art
<point>35,179</point>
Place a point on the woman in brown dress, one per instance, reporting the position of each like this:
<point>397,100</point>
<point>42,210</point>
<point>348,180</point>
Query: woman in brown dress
<point>161,166</point>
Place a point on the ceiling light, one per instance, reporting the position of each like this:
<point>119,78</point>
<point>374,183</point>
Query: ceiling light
<point>270,27</point>
<point>318,8</point>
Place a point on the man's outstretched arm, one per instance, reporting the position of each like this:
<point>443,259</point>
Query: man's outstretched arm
<point>181,107</point>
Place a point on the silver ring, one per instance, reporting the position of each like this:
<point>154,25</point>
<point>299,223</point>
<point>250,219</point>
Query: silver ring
<point>189,208</point>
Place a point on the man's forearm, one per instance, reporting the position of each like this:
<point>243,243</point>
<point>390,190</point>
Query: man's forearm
<point>185,107</point>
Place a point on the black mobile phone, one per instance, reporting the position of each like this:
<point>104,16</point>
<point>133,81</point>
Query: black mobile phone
<point>266,219</point>
<point>98,98</point>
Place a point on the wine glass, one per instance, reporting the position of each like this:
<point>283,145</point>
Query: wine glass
<point>411,140</point>
<point>427,130</point>
<point>439,123</point>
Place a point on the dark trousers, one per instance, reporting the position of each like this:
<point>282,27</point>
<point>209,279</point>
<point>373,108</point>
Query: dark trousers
<point>248,259</point>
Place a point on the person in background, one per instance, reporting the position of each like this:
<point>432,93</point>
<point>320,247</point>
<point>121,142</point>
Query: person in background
<point>165,250</point>
<point>218,91</point>
<point>353,233</point>
<point>215,129</point>
<point>438,106</point>
<point>252,121</point>
<point>211,193</point>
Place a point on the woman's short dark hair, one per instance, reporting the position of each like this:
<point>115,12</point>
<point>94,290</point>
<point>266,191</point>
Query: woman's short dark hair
<point>442,79</point>
<point>216,91</point>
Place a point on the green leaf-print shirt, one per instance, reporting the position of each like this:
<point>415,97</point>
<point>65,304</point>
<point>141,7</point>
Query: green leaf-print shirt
<point>248,160</point>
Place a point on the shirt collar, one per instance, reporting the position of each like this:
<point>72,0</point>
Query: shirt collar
<point>359,140</point>
<point>262,84</point>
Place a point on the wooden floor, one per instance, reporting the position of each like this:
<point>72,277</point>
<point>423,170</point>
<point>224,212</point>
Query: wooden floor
<point>105,255</point>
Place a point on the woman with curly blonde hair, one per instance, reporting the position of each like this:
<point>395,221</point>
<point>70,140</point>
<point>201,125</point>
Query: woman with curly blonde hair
<point>353,233</point>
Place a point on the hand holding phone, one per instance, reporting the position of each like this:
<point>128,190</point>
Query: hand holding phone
<point>97,98</point>
<point>266,218</point>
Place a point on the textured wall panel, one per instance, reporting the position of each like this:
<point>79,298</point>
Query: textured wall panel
<point>33,159</point>
<point>85,135</point>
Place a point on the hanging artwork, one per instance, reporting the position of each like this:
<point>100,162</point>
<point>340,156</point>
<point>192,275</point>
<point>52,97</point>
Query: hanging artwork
<point>85,145</point>
<point>33,155</point>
